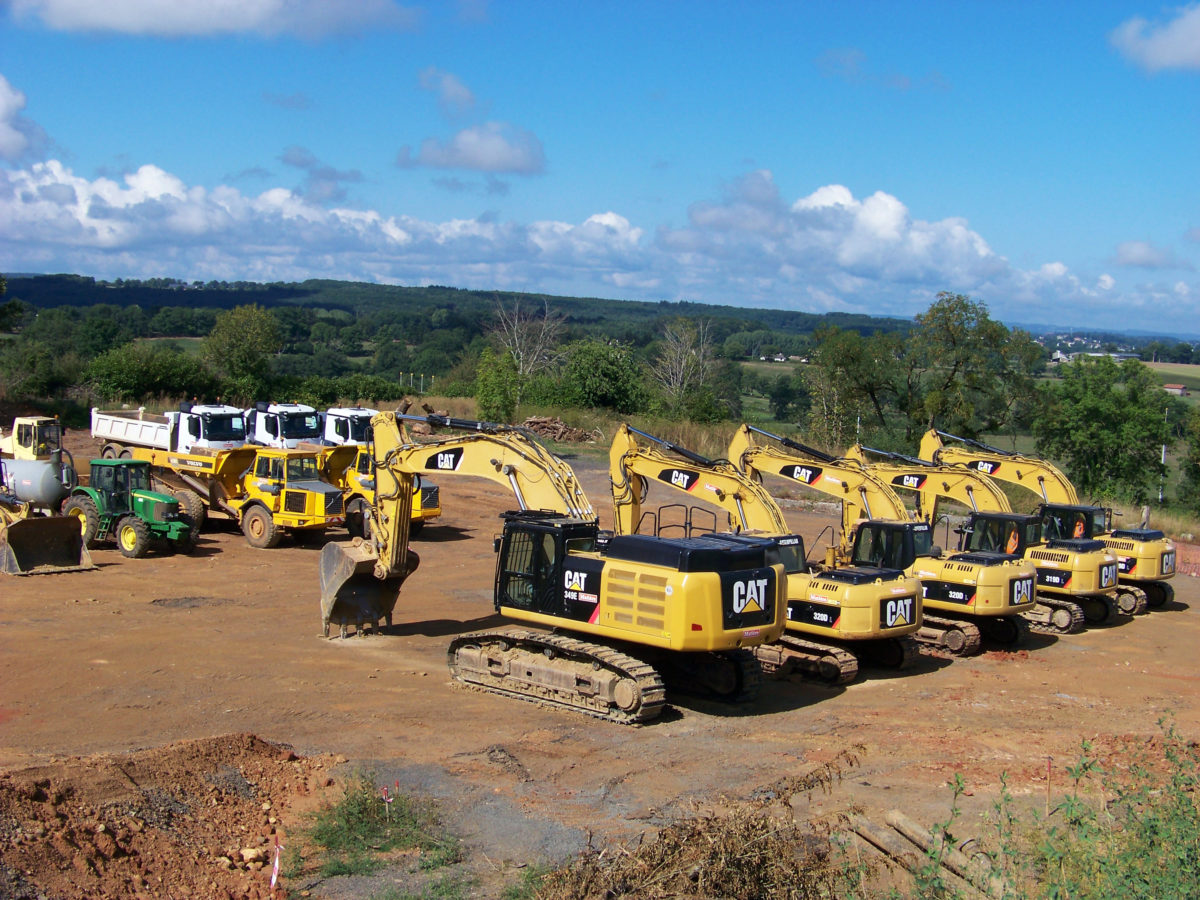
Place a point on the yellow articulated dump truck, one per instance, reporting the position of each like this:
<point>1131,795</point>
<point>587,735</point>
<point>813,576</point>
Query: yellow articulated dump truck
<point>269,491</point>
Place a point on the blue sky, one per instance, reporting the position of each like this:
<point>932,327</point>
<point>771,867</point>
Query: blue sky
<point>1041,157</point>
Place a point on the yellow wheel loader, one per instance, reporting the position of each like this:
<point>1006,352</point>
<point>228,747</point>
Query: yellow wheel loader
<point>836,617</point>
<point>1145,556</point>
<point>619,619</point>
<point>38,545</point>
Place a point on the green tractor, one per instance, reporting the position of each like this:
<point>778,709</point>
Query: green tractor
<point>118,503</point>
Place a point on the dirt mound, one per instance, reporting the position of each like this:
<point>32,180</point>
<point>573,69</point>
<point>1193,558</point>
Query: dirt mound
<point>191,819</point>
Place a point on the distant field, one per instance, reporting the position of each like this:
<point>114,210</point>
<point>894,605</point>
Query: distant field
<point>189,345</point>
<point>772,369</point>
<point>1178,373</point>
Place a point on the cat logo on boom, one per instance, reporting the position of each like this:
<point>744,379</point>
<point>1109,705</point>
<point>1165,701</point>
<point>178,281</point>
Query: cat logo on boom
<point>445,460</point>
<point>912,482</point>
<point>680,478</point>
<point>806,474</point>
<point>986,467</point>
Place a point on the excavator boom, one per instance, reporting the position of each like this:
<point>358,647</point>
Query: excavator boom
<point>1031,473</point>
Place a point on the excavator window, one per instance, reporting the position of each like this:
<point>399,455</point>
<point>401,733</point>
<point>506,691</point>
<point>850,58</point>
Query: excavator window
<point>528,579</point>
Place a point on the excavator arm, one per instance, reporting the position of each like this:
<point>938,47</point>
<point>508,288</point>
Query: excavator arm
<point>1029,472</point>
<point>361,581</point>
<point>633,466</point>
<point>505,454</point>
<point>863,495</point>
<point>932,481</point>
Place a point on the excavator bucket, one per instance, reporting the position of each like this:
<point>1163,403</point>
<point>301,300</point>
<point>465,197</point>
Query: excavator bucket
<point>39,545</point>
<point>351,590</point>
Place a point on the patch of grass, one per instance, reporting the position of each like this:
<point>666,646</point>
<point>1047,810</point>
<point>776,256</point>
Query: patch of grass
<point>354,836</point>
<point>449,887</point>
<point>528,886</point>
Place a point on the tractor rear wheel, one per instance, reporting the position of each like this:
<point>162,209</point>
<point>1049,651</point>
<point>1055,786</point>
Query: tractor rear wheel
<point>259,528</point>
<point>83,509</point>
<point>133,537</point>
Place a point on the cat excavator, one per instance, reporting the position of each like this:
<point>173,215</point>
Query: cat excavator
<point>834,617</point>
<point>1145,556</point>
<point>964,596</point>
<point>620,618</point>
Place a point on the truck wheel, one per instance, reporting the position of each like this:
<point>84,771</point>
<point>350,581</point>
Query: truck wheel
<point>83,509</point>
<point>133,537</point>
<point>191,505</point>
<point>259,528</point>
<point>356,517</point>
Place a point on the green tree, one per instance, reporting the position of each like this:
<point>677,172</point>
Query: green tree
<point>496,382</point>
<point>957,369</point>
<point>143,371</point>
<point>599,375</point>
<point>1189,466</point>
<point>10,312</point>
<point>1106,422</point>
<point>242,343</point>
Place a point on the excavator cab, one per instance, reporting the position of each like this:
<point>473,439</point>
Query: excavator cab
<point>530,574</point>
<point>891,545</point>
<point>1006,533</point>
<point>1064,522</point>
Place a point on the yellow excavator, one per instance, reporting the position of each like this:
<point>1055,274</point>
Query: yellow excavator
<point>835,616</point>
<point>965,597</point>
<point>631,615</point>
<point>981,583</point>
<point>1145,556</point>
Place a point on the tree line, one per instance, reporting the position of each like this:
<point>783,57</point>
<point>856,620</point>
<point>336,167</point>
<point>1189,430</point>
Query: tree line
<point>953,367</point>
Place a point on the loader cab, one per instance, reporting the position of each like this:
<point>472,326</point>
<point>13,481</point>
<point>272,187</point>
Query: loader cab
<point>1061,521</point>
<point>891,545</point>
<point>36,438</point>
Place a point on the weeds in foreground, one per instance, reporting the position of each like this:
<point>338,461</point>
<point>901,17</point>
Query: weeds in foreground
<point>354,836</point>
<point>1129,827</point>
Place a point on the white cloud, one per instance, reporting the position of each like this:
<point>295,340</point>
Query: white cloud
<point>1174,44</point>
<point>454,97</point>
<point>491,147</point>
<point>177,18</point>
<point>825,251</point>
<point>13,141</point>
<point>1144,255</point>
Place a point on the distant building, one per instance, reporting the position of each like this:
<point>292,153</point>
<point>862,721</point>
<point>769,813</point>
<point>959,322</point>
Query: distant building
<point>1176,389</point>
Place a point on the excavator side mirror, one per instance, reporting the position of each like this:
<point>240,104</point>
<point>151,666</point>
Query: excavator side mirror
<point>496,544</point>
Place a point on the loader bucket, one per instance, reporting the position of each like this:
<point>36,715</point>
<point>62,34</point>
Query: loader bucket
<point>351,592</point>
<point>42,546</point>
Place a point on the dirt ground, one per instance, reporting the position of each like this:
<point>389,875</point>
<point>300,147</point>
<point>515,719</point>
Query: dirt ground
<point>160,717</point>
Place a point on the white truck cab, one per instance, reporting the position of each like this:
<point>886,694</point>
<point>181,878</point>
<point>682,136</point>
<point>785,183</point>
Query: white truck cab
<point>192,427</point>
<point>347,425</point>
<point>283,425</point>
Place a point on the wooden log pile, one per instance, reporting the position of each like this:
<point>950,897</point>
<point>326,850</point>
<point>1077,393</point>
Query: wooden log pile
<point>555,429</point>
